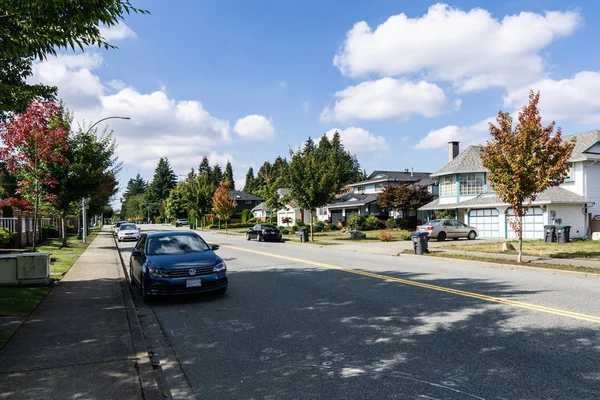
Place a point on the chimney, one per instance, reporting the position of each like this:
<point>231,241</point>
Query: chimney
<point>452,150</point>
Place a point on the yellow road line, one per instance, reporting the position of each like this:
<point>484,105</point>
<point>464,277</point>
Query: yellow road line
<point>548,310</point>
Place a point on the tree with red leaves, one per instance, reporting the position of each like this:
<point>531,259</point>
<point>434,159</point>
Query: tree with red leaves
<point>525,161</point>
<point>33,142</point>
<point>223,206</point>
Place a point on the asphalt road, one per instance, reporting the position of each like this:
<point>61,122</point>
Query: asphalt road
<point>307,322</point>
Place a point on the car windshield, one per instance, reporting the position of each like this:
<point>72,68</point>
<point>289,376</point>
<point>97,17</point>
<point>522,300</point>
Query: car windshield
<point>434,222</point>
<point>127,227</point>
<point>269,227</point>
<point>176,244</point>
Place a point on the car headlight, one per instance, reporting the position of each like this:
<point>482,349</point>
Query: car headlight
<point>158,272</point>
<point>220,267</point>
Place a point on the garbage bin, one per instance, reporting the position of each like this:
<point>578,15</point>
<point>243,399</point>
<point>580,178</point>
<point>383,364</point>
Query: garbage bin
<point>420,242</point>
<point>563,234</point>
<point>549,233</point>
<point>303,232</point>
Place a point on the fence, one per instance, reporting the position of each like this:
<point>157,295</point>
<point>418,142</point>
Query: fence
<point>9,223</point>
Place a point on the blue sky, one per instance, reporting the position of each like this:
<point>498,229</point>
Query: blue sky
<point>247,81</point>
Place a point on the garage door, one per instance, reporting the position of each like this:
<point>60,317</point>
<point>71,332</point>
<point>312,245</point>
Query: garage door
<point>486,221</point>
<point>533,224</point>
<point>336,215</point>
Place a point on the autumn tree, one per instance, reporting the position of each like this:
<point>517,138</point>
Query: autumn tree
<point>222,205</point>
<point>312,180</point>
<point>29,30</point>
<point>525,161</point>
<point>404,197</point>
<point>32,144</point>
<point>228,175</point>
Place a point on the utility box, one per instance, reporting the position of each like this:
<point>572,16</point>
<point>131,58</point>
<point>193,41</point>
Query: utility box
<point>8,269</point>
<point>33,267</point>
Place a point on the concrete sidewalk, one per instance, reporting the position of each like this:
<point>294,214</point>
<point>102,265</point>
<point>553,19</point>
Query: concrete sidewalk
<point>84,340</point>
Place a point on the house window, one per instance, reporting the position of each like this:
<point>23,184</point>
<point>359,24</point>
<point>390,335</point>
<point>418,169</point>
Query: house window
<point>361,190</point>
<point>248,201</point>
<point>379,186</point>
<point>471,183</point>
<point>571,176</point>
<point>447,185</point>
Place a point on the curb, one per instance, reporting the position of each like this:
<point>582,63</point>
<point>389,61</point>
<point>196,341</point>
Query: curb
<point>532,267</point>
<point>148,379</point>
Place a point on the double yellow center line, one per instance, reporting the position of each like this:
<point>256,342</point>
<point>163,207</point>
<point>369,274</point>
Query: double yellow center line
<point>548,310</point>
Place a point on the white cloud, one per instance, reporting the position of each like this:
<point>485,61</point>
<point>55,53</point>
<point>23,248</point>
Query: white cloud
<point>117,32</point>
<point>388,98</point>
<point>160,126</point>
<point>117,84</point>
<point>255,127</point>
<point>473,50</point>
<point>466,135</point>
<point>575,98</point>
<point>282,84</point>
<point>359,140</point>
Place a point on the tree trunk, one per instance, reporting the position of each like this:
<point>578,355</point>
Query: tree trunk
<point>63,222</point>
<point>35,215</point>
<point>520,236</point>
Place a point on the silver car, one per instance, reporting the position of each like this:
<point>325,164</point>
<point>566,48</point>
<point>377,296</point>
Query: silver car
<point>448,228</point>
<point>128,231</point>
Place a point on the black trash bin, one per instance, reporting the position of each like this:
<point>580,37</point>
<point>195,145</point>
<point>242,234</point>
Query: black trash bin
<point>303,232</point>
<point>420,242</point>
<point>549,233</point>
<point>563,234</point>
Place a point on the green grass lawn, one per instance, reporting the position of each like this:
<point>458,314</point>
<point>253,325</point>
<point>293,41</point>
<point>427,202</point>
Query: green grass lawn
<point>577,249</point>
<point>20,301</point>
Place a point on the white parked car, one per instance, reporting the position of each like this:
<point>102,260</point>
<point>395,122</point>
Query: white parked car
<point>115,228</point>
<point>128,231</point>
<point>448,228</point>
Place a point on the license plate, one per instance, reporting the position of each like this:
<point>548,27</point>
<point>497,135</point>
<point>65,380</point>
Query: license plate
<point>193,283</point>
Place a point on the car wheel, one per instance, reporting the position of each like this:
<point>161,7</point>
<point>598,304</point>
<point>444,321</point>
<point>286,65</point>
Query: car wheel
<point>259,238</point>
<point>145,294</point>
<point>441,236</point>
<point>247,236</point>
<point>131,278</point>
<point>472,235</point>
<point>120,240</point>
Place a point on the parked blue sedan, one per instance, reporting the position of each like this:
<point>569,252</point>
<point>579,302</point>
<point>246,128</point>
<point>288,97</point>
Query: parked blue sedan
<point>168,263</point>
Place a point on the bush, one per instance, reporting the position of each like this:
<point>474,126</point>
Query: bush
<point>245,216</point>
<point>6,237</point>
<point>49,226</point>
<point>372,223</point>
<point>357,221</point>
<point>332,227</point>
<point>384,236</point>
<point>285,231</point>
<point>391,224</point>
<point>237,215</point>
<point>294,228</point>
<point>158,220</point>
<point>318,226</point>
<point>300,224</point>
<point>402,223</point>
<point>251,220</point>
<point>445,214</point>
<point>405,235</point>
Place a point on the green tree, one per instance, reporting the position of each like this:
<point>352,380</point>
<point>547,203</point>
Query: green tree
<point>90,172</point>
<point>136,186</point>
<point>197,195</point>
<point>249,182</point>
<point>222,205</point>
<point>525,161</point>
<point>163,182</point>
<point>312,180</point>
<point>29,29</point>
<point>264,173</point>
<point>273,201</point>
<point>204,168</point>
<point>280,172</point>
<point>175,207</point>
<point>228,176</point>
<point>217,174</point>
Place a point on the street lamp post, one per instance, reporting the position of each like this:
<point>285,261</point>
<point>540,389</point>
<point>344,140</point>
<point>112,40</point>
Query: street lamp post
<point>104,119</point>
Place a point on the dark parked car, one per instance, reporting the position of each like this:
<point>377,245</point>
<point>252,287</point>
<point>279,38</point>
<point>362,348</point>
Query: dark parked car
<point>182,222</point>
<point>180,262</point>
<point>264,232</point>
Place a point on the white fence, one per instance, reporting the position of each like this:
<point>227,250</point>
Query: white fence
<point>9,223</point>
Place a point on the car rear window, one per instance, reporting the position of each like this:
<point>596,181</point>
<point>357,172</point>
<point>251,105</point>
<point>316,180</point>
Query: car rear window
<point>269,227</point>
<point>126,227</point>
<point>434,222</point>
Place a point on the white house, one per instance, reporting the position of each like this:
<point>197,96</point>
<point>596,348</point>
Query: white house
<point>260,212</point>
<point>463,187</point>
<point>295,213</point>
<point>363,195</point>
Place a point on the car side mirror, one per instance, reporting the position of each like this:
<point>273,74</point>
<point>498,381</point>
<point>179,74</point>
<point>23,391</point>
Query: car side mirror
<point>136,252</point>
<point>214,247</point>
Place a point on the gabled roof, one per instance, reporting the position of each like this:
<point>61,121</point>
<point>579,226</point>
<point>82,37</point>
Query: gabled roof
<point>237,195</point>
<point>387,176</point>
<point>283,192</point>
<point>586,145</point>
<point>259,207</point>
<point>353,199</point>
<point>553,195</point>
<point>467,161</point>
